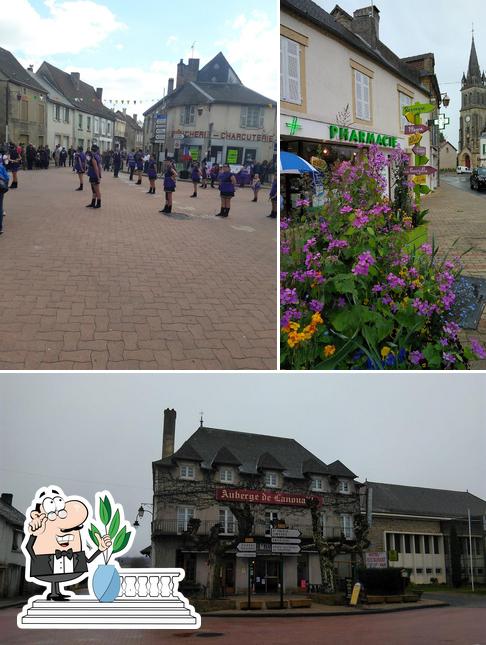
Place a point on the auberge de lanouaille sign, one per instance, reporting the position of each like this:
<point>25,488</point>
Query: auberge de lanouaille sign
<point>263,496</point>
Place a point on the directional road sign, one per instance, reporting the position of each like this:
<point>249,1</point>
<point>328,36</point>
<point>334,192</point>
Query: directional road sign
<point>416,129</point>
<point>280,540</point>
<point>420,170</point>
<point>418,108</point>
<point>285,548</point>
<point>287,533</point>
<point>245,555</point>
<point>419,150</point>
<point>160,128</point>
<point>246,546</point>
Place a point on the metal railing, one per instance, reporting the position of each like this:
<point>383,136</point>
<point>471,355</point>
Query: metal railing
<point>260,529</point>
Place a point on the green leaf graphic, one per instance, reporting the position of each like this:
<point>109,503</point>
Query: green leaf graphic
<point>115,523</point>
<point>93,534</point>
<point>117,542</point>
<point>123,543</point>
<point>105,510</point>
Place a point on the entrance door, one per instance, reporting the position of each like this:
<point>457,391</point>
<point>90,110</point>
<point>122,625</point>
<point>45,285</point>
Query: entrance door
<point>266,575</point>
<point>467,161</point>
<point>229,577</point>
<point>216,154</point>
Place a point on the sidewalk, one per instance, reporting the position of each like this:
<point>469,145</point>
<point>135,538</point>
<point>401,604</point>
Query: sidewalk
<point>458,218</point>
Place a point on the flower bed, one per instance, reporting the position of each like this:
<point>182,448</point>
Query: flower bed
<point>355,293</point>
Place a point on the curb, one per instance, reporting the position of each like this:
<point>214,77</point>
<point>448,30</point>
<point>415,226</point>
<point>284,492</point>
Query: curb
<point>303,614</point>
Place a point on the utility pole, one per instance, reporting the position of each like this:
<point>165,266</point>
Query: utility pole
<point>470,549</point>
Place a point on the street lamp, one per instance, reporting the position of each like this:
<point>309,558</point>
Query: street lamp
<point>444,98</point>
<point>141,512</point>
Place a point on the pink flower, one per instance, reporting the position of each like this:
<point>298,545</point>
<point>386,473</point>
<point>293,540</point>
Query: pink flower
<point>477,348</point>
<point>365,260</point>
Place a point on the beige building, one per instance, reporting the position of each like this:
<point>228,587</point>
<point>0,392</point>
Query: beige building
<point>22,104</point>
<point>211,477</point>
<point>356,98</point>
<point>448,156</point>
<point>412,527</point>
<point>211,114</point>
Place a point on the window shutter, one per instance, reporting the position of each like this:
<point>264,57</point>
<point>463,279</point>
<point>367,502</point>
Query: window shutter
<point>244,113</point>
<point>293,72</point>
<point>260,117</point>
<point>182,117</point>
<point>283,68</point>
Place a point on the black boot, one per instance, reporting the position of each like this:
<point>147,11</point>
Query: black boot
<point>164,210</point>
<point>220,214</point>
<point>225,212</point>
<point>98,203</point>
<point>254,199</point>
<point>80,187</point>
<point>93,203</point>
<point>273,215</point>
<point>169,210</point>
<point>13,184</point>
<point>139,182</point>
<point>149,191</point>
<point>194,195</point>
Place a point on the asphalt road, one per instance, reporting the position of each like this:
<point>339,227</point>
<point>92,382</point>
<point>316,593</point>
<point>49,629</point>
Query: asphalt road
<point>462,183</point>
<point>444,626</point>
<point>458,599</point>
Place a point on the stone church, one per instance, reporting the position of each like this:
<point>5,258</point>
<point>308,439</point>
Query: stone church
<point>473,113</point>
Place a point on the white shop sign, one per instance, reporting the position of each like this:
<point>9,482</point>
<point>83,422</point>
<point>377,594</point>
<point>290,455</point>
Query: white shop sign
<point>376,560</point>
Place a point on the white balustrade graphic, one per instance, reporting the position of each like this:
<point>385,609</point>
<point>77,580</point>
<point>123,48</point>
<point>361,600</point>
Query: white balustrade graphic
<point>148,599</point>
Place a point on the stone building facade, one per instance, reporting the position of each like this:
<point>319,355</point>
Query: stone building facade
<point>12,561</point>
<point>448,156</point>
<point>473,112</point>
<point>218,477</point>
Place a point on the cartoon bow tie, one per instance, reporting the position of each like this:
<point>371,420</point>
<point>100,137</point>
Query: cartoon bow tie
<point>64,554</point>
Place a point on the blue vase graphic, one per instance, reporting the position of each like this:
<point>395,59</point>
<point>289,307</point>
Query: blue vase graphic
<point>106,582</point>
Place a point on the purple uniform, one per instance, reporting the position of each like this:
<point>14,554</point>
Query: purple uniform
<point>169,181</point>
<point>151,169</point>
<point>226,187</point>
<point>91,171</point>
<point>195,175</point>
<point>80,162</point>
<point>273,190</point>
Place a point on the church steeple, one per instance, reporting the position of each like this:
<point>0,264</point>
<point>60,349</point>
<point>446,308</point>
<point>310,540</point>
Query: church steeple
<point>474,77</point>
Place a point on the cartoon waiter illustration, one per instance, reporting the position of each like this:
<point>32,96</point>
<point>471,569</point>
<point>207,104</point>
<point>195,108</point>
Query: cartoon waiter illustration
<point>54,544</point>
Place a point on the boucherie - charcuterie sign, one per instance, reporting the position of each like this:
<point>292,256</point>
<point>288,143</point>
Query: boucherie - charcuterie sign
<point>263,496</point>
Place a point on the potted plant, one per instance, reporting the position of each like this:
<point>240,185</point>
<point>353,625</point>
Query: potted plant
<point>105,582</point>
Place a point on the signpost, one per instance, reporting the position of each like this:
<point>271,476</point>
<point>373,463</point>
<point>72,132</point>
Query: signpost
<point>285,533</point>
<point>284,541</point>
<point>285,548</point>
<point>420,170</point>
<point>414,129</point>
<point>246,546</point>
<point>419,150</point>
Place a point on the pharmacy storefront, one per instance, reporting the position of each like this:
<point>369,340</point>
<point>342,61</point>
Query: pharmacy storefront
<point>323,144</point>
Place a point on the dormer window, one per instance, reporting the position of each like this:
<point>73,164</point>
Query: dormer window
<point>344,487</point>
<point>317,484</point>
<point>186,471</point>
<point>226,475</point>
<point>271,479</point>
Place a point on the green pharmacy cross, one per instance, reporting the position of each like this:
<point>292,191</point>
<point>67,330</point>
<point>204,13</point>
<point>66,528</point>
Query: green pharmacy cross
<point>442,121</point>
<point>293,126</point>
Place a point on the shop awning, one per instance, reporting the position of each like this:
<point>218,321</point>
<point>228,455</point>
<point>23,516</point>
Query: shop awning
<point>291,164</point>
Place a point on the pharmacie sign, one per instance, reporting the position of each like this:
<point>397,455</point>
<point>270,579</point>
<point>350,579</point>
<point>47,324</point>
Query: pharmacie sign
<point>263,497</point>
<point>350,135</point>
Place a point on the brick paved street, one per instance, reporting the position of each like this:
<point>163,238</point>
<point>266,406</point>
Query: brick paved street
<point>124,287</point>
<point>458,217</point>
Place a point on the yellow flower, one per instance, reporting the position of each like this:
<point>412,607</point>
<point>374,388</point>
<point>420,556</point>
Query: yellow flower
<point>385,351</point>
<point>329,350</point>
<point>317,319</point>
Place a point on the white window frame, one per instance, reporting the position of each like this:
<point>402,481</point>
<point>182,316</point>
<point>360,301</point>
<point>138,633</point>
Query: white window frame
<point>347,525</point>
<point>290,77</point>
<point>66,115</point>
<point>317,484</point>
<point>362,87</point>
<point>96,125</point>
<point>188,115</point>
<point>187,471</point>
<point>226,475</point>
<point>251,117</point>
<point>57,112</point>
<point>227,521</point>
<point>403,100</point>
<point>344,487</point>
<point>88,124</point>
<point>270,475</point>
<point>270,516</point>
<point>184,514</point>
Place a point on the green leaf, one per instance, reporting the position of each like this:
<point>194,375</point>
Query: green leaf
<point>119,539</point>
<point>120,546</point>
<point>115,523</point>
<point>345,283</point>
<point>105,510</point>
<point>93,533</point>
<point>377,332</point>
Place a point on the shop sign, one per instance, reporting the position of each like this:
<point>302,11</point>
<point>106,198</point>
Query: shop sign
<point>361,136</point>
<point>230,136</point>
<point>194,152</point>
<point>263,497</point>
<point>232,156</point>
<point>376,560</point>
<point>393,556</point>
<point>293,126</point>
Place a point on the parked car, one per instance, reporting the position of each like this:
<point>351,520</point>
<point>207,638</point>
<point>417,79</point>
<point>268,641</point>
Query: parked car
<point>478,178</point>
<point>462,169</point>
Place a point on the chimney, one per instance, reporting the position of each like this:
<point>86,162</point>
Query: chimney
<point>168,436</point>
<point>7,498</point>
<point>99,92</point>
<point>135,117</point>
<point>170,87</point>
<point>366,23</point>
<point>75,79</point>
<point>187,73</point>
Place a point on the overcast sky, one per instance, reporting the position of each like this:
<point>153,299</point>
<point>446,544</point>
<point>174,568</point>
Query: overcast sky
<point>442,27</point>
<point>130,49</point>
<point>88,432</point>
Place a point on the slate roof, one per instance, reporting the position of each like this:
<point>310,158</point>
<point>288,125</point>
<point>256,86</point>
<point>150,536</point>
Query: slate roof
<point>84,98</point>
<point>225,456</point>
<point>381,53</point>
<point>11,515</point>
<point>218,70</point>
<point>249,449</point>
<point>338,469</point>
<point>196,92</point>
<point>13,70</point>
<point>413,500</point>
<point>52,93</point>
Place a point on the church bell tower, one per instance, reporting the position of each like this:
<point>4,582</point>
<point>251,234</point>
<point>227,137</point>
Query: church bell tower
<point>473,112</point>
